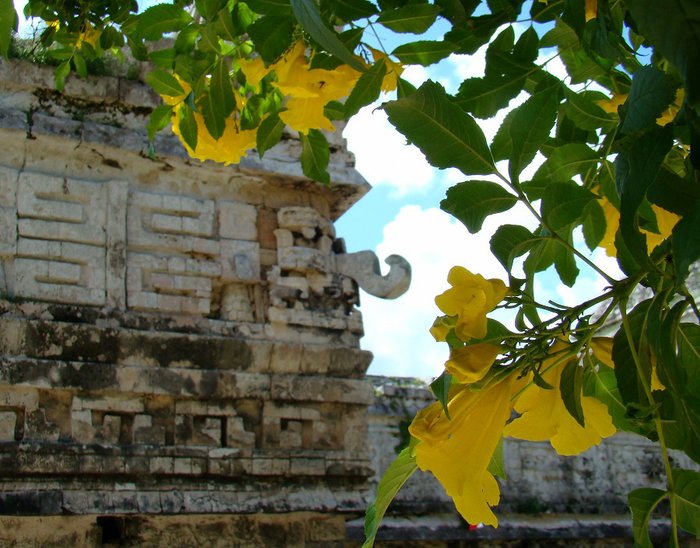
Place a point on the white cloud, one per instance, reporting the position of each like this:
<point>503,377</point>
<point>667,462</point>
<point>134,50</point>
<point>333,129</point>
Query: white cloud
<point>382,155</point>
<point>433,242</point>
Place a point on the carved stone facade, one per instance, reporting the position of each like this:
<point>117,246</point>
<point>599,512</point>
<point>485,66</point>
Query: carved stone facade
<point>175,337</point>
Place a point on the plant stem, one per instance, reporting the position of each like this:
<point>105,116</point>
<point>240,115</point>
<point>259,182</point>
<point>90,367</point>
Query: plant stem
<point>657,418</point>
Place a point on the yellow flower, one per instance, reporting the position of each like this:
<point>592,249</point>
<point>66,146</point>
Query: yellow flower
<point>470,363</point>
<point>602,349</point>
<point>309,90</point>
<point>543,415</point>
<point>228,149</point>
<point>591,9</point>
<point>393,70</point>
<point>665,220</point>
<point>471,297</point>
<point>670,113</point>
<point>611,105</point>
<point>254,70</point>
<point>458,451</point>
<point>88,36</point>
<point>303,114</point>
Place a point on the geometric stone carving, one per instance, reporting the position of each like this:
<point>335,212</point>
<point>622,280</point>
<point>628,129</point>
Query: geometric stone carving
<point>175,336</point>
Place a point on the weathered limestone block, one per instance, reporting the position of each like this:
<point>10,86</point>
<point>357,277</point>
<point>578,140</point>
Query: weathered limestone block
<point>176,337</point>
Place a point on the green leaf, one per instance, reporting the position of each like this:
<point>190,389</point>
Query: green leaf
<point>79,64</point>
<point>272,36</point>
<point>502,144</point>
<point>673,27</point>
<point>351,10</point>
<point>530,128</point>
<point>565,262</point>
<point>577,60</point>
<point>602,385</point>
<point>582,109</point>
<point>8,24</point>
<point>570,389</point>
<point>673,193</point>
<point>642,503</point>
<point>686,494</point>
<point>404,88</point>
<point>60,74</point>
<point>423,52</point>
<point>686,243</point>
<point>689,355</point>
<point>188,126</point>
<point>367,89</point>
<point>280,8</point>
<point>447,136</point>
<point>309,17</point>
<point>650,95</point>
<point>564,162</point>
<point>160,117</point>
<point>594,225</point>
<point>484,97</point>
<point>269,133</point>
<point>510,242</point>
<point>635,168</point>
<point>628,382</point>
<point>214,119</point>
<point>315,156</point>
<point>207,8</point>
<point>161,19</point>
<point>413,18</point>
<point>209,40</point>
<point>164,83</point>
<point>163,58</point>
<point>564,204</point>
<point>496,466</point>
<point>231,24</point>
<point>541,255</point>
<point>334,110</point>
<point>538,379</point>
<point>352,37</point>
<point>472,201</point>
<point>393,479</point>
<point>440,387</point>
<point>662,330</point>
<point>680,423</point>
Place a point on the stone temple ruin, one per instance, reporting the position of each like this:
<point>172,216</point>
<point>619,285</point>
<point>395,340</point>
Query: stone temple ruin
<point>179,341</point>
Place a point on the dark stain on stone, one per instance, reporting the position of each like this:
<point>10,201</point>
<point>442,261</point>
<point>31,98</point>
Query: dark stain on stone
<point>94,376</point>
<point>209,384</point>
<point>71,342</point>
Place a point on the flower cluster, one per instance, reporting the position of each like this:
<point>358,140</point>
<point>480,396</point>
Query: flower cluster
<point>468,427</point>
<point>466,304</point>
<point>301,95</point>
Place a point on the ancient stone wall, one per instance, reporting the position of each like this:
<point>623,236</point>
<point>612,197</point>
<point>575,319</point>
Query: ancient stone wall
<point>176,337</point>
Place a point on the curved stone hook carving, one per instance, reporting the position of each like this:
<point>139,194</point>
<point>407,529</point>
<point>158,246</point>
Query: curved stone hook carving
<point>363,267</point>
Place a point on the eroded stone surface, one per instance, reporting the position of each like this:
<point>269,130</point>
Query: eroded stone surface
<point>175,336</point>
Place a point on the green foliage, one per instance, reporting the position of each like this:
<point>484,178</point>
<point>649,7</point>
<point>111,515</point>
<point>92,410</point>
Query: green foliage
<point>393,479</point>
<point>472,201</point>
<point>642,503</point>
<point>447,136</point>
<point>315,155</point>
